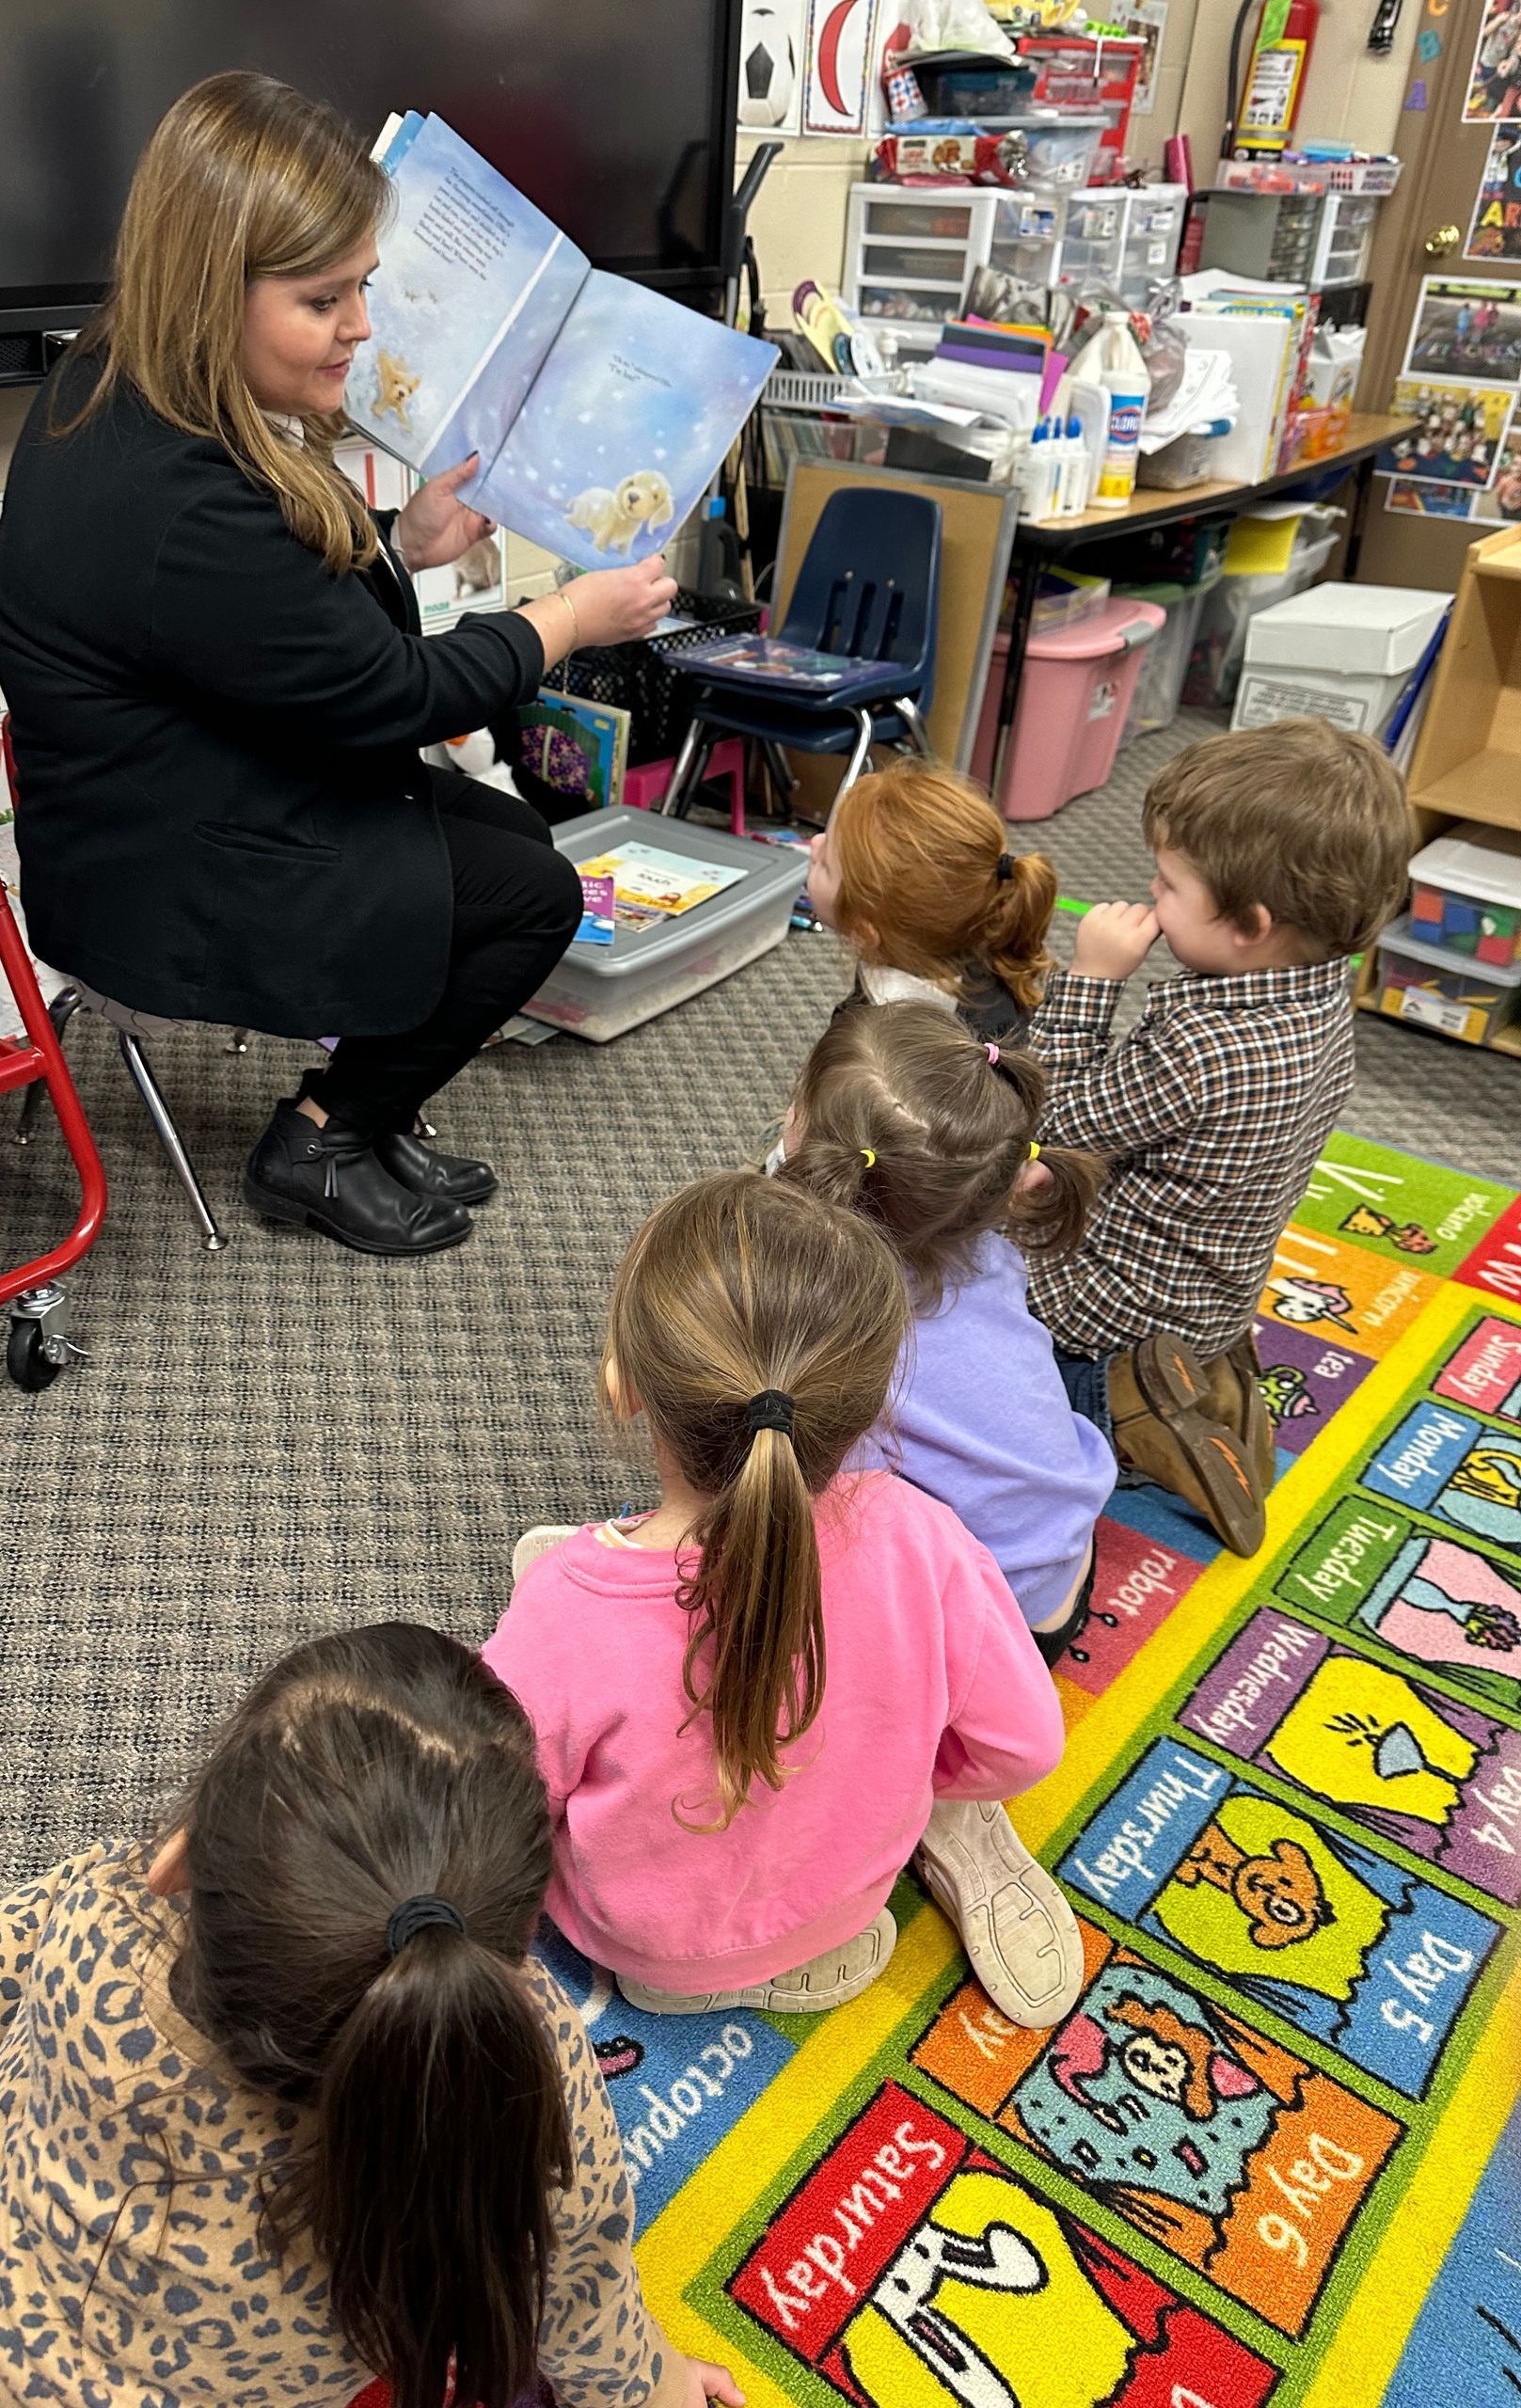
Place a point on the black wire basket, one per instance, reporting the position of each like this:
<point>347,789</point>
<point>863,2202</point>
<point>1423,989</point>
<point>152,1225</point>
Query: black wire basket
<point>646,680</point>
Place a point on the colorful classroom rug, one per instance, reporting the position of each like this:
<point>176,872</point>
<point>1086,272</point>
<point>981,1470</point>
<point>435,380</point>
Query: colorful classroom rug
<point>1265,2157</point>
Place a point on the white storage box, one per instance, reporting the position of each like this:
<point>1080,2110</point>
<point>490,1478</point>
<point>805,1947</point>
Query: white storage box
<point>599,992</point>
<point>1339,652</point>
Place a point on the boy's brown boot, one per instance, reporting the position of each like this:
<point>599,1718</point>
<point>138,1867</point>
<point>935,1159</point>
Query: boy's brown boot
<point>1158,1402</point>
<point>1235,1398</point>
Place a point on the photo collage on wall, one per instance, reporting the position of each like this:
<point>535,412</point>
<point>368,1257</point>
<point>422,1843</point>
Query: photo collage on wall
<point>1493,99</point>
<point>1462,459</point>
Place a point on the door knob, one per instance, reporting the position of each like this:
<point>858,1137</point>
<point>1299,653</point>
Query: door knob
<point>1441,240</point>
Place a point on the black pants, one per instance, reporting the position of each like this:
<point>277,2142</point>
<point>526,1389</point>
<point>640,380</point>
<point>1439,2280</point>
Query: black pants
<point>517,904</point>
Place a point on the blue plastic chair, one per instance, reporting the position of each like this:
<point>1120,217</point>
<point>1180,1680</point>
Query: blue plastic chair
<point>868,587</point>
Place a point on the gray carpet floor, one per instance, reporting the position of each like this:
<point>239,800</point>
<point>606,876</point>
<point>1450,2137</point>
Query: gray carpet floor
<point>286,1437</point>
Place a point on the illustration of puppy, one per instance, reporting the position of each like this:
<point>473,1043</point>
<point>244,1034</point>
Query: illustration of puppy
<point>479,569</point>
<point>1280,1895</point>
<point>395,385</point>
<point>613,518</point>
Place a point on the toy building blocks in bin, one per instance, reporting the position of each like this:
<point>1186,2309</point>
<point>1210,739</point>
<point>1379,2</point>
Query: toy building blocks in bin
<point>1428,986</point>
<point>1465,893</point>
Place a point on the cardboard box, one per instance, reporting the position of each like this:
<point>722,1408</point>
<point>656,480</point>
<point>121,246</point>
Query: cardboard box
<point>1339,652</point>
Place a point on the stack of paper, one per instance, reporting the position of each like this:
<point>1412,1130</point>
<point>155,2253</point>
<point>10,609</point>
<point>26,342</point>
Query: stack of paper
<point>1206,396</point>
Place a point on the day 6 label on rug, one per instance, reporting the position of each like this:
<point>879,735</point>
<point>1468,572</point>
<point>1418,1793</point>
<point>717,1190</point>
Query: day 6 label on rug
<point>1442,1778</point>
<point>1247,2162</point>
<point>1445,1464</point>
<point>1369,1959</point>
<point>1433,1600</point>
<point>910,2270</point>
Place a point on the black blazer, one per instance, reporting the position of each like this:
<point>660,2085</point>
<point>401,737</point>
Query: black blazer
<point>222,815</point>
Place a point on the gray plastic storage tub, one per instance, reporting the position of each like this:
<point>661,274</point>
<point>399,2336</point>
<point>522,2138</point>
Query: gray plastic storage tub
<point>598,992</point>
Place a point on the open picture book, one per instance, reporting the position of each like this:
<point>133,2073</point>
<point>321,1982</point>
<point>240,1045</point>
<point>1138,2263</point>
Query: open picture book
<point>600,411</point>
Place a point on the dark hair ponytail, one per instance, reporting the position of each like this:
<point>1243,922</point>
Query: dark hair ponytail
<point>366,1770</point>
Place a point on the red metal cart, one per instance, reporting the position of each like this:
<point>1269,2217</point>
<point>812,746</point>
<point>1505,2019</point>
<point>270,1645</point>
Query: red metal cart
<point>39,1346</point>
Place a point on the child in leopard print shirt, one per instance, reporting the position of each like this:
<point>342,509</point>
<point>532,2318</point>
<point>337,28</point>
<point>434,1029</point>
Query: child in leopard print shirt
<point>288,2106</point>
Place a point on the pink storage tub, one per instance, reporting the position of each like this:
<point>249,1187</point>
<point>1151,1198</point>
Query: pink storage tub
<point>1074,698</point>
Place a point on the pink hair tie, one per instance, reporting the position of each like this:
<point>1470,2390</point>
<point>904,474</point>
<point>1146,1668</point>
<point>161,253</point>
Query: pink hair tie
<point>992,1053</point>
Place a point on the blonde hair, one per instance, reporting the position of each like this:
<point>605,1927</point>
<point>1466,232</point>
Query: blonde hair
<point>735,1287</point>
<point>918,849</point>
<point>1300,818</point>
<point>242,178</point>
<point>906,1118</point>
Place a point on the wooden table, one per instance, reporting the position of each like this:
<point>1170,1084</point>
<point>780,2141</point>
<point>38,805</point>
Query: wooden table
<point>1035,543</point>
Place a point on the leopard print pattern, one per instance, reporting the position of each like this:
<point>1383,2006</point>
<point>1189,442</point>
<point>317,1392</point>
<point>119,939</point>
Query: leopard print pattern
<point>130,2271</point>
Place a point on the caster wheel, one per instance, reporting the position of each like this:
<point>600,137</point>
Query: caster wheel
<point>29,1365</point>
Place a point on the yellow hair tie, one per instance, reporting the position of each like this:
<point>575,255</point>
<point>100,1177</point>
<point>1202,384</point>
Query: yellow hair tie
<point>1034,1154</point>
<point>868,1157</point>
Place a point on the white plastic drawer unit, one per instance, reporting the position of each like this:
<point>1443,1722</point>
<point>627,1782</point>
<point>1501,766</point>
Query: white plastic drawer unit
<point>1343,240</point>
<point>911,249</point>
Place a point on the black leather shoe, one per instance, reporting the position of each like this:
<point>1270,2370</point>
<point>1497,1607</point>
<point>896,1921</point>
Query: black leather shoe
<point>427,1172</point>
<point>329,1180</point>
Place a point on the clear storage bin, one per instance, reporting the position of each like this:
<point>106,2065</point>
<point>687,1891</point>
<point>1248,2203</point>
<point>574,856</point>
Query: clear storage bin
<point>885,262</point>
<point>599,992</point>
<point>1165,662</point>
<point>790,435</point>
<point>1220,646</point>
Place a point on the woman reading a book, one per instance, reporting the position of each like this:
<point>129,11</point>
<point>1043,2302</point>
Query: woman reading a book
<point>219,687</point>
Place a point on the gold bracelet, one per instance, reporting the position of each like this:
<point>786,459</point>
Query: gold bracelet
<point>560,595</point>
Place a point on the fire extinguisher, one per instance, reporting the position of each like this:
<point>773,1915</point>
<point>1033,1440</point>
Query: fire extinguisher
<point>1285,38</point>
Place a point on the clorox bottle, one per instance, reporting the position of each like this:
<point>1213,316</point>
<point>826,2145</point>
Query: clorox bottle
<point>1113,359</point>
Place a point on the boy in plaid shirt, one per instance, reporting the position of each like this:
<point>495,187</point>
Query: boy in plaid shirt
<point>1279,851</point>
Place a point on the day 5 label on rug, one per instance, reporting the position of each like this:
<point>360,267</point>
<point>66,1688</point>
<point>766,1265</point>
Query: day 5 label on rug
<point>1304,1377</point>
<point>1442,1778</point>
<point>1399,1206</point>
<point>1244,2162</point>
<point>1433,1600</point>
<point>1445,1463</point>
<point>1373,1960</point>
<point>677,2082</point>
<point>911,2270</point>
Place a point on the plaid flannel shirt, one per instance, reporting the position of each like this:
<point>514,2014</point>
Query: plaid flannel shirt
<point>1211,1111</point>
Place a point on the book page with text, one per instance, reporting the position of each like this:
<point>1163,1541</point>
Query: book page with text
<point>472,287</point>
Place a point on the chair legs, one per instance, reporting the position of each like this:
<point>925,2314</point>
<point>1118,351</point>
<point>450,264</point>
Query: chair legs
<point>688,770</point>
<point>61,1012</point>
<point>860,757</point>
<point>169,1138</point>
<point>913,718</point>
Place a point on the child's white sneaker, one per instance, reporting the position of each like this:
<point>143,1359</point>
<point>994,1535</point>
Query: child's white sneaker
<point>1016,1926</point>
<point>832,1979</point>
<point>537,1542</point>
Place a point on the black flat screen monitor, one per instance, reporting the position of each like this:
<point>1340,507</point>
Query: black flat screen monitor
<point>617,119</point>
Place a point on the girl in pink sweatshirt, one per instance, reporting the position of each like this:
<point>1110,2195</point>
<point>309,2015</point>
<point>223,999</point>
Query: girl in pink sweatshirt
<point>755,1704</point>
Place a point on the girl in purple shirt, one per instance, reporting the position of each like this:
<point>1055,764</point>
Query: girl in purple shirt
<point>902,1114</point>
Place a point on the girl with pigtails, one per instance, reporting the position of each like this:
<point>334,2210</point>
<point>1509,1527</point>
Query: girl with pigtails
<point>757,1703</point>
<point>902,1115</point>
